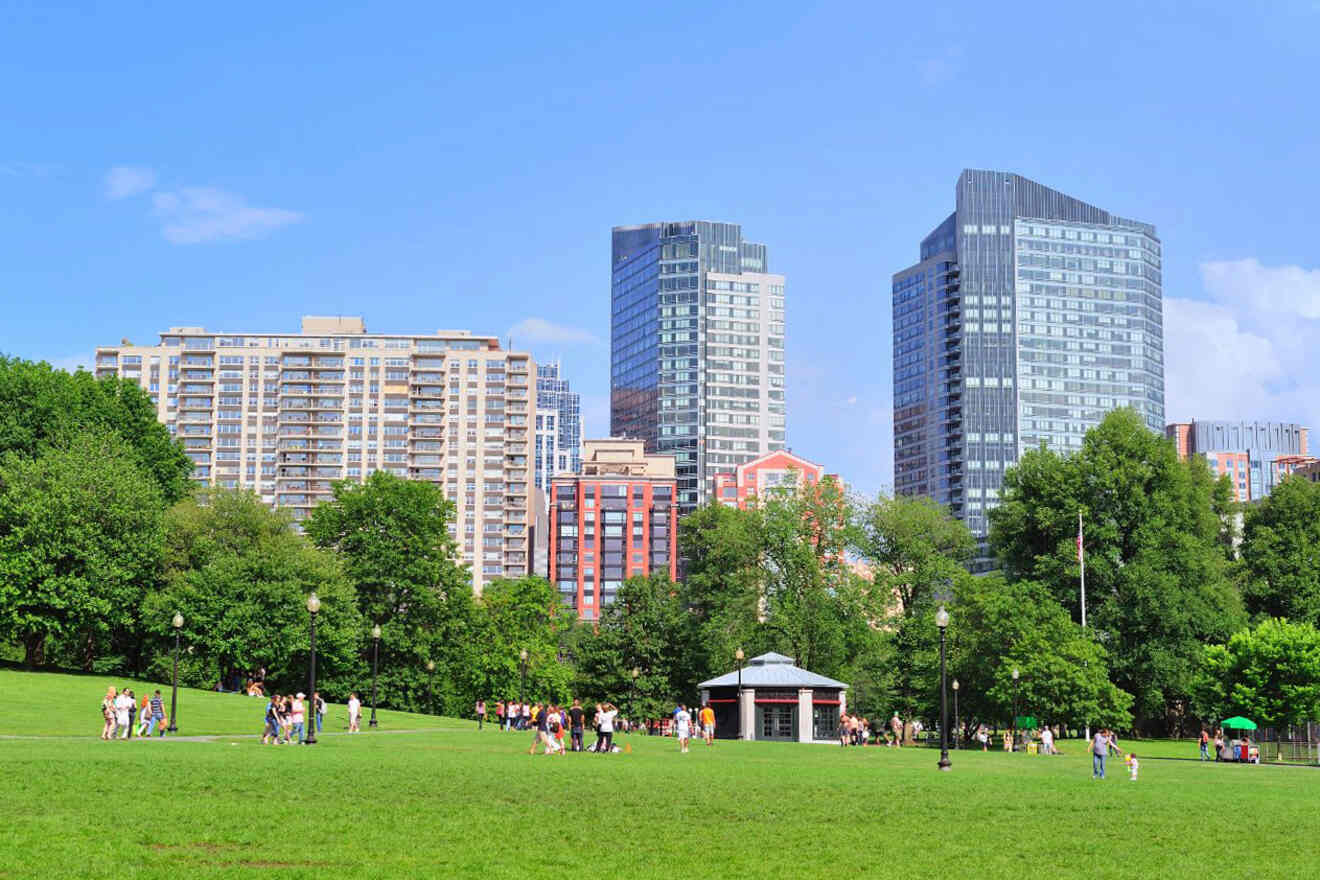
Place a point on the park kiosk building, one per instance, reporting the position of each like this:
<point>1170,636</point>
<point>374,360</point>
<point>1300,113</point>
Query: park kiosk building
<point>778,702</point>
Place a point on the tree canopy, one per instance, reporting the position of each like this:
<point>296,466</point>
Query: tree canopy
<point>1158,584</point>
<point>80,542</point>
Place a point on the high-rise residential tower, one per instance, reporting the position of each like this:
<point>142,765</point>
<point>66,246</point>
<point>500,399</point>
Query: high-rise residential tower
<point>696,348</point>
<point>558,427</point>
<point>1030,315</point>
<point>285,414</point>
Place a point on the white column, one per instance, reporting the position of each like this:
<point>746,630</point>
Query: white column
<point>843,701</point>
<point>705,696</point>
<point>805,731</point>
<point>747,704</point>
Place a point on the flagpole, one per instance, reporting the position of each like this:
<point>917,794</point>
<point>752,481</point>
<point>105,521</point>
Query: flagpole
<point>1081,559</point>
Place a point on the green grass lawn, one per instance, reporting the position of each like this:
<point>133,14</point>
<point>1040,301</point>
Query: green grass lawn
<point>457,803</point>
<point>52,704</point>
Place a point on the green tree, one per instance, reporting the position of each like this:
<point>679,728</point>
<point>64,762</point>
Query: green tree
<point>511,616</point>
<point>41,408</point>
<point>912,545</point>
<point>808,600</point>
<point>997,626</point>
<point>240,576</point>
<point>1158,584</point>
<point>1281,552</point>
<point>1270,674</point>
<point>392,538</point>
<point>646,628</point>
<point>80,541</point>
<point>723,584</point>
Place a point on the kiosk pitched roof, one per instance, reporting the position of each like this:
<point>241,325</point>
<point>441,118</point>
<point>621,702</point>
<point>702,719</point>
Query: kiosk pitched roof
<point>773,670</point>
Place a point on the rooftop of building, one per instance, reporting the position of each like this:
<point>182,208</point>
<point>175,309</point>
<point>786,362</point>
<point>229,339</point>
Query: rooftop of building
<point>623,456</point>
<point>315,327</point>
<point>772,670</point>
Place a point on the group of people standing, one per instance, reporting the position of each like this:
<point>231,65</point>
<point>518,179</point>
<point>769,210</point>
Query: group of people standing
<point>549,722</point>
<point>286,718</point>
<point>121,714</point>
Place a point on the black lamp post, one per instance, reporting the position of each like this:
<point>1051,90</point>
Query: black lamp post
<point>1016,675</point>
<point>942,621</point>
<point>522,685</point>
<point>177,622</point>
<point>739,655</point>
<point>313,606</point>
<point>632,709</point>
<point>957,720</point>
<point>430,686</point>
<point>375,669</point>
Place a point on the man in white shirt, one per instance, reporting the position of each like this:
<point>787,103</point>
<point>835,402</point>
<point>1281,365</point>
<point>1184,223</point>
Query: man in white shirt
<point>683,723</point>
<point>1046,741</point>
<point>123,703</point>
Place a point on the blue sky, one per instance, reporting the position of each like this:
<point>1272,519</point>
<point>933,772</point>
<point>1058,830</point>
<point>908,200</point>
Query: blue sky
<point>430,166</point>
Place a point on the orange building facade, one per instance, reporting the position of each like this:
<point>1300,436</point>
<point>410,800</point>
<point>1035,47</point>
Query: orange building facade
<point>616,520</point>
<point>756,478</point>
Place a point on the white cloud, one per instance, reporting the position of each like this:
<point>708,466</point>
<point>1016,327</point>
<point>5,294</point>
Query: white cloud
<point>1253,352</point>
<point>541,330</point>
<point>123,181</point>
<point>1288,290</point>
<point>200,214</point>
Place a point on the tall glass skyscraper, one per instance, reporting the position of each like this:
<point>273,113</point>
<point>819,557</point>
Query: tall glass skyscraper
<point>1030,315</point>
<point>558,427</point>
<point>696,348</point>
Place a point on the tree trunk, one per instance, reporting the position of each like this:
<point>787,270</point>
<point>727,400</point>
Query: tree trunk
<point>34,648</point>
<point>89,651</point>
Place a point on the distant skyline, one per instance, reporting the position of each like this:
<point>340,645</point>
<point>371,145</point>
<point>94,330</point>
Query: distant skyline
<point>434,168</point>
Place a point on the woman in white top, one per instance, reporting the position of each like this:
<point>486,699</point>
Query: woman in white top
<point>354,713</point>
<point>122,704</point>
<point>606,716</point>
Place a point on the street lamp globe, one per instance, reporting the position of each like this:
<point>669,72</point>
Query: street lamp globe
<point>1016,673</point>
<point>955,684</point>
<point>941,618</point>
<point>739,655</point>
<point>314,603</point>
<point>636,673</point>
<point>177,621</point>
<point>375,631</point>
<point>430,666</point>
<point>522,655</point>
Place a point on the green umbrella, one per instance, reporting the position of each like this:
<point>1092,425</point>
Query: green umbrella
<point>1237,722</point>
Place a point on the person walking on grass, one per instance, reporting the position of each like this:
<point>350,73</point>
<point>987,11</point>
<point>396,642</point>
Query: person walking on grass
<point>144,717</point>
<point>298,716</point>
<point>707,718</point>
<point>108,714</point>
<point>1047,741</point>
<point>481,712</point>
<point>683,725</point>
<point>1205,745</point>
<point>270,733</point>
<point>1099,753</point>
<point>157,714</point>
<point>354,713</point>
<point>122,702</point>
<point>318,706</point>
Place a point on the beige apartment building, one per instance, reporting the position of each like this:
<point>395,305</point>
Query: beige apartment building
<point>285,414</point>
